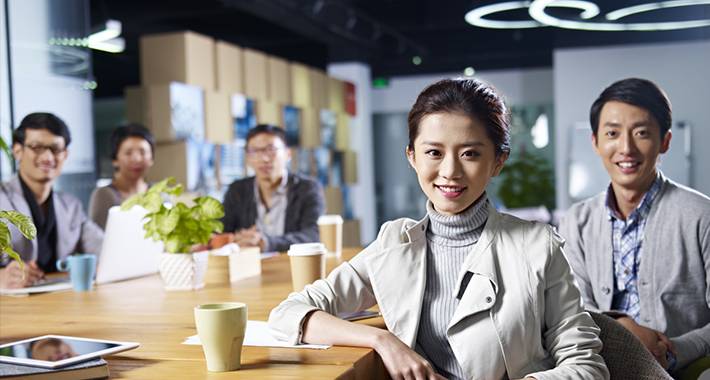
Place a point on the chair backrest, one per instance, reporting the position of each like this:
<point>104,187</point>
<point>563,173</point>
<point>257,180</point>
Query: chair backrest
<point>624,354</point>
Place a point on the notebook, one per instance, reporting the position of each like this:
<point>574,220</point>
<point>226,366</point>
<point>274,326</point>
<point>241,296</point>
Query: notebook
<point>92,369</point>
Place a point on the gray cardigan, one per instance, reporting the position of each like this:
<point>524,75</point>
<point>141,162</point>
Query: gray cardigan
<point>304,204</point>
<point>674,283</point>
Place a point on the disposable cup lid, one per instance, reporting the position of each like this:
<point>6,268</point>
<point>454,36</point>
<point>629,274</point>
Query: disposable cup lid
<point>307,249</point>
<point>330,219</point>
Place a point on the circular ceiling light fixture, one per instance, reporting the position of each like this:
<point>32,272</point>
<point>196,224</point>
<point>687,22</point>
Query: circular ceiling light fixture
<point>476,17</point>
<point>537,12</point>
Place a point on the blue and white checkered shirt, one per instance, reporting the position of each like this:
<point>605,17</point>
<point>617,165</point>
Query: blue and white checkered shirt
<point>627,241</point>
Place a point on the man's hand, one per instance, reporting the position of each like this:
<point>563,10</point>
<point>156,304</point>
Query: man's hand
<point>14,277</point>
<point>656,342</point>
<point>250,237</point>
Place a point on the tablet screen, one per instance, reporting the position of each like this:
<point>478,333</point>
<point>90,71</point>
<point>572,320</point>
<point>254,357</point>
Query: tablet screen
<point>54,349</point>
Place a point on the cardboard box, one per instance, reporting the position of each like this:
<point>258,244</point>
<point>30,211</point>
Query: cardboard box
<point>219,128</point>
<point>319,89</point>
<point>134,98</point>
<point>256,80</point>
<point>269,113</point>
<point>351,233</point>
<point>185,57</point>
<point>229,67</point>
<point>300,85</point>
<point>342,131</point>
<point>310,128</point>
<point>279,75</point>
<point>187,160</point>
<point>174,111</point>
<point>336,95</point>
<point>333,200</point>
<point>350,167</point>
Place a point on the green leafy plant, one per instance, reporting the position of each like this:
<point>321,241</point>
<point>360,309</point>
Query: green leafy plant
<point>181,226</point>
<point>527,181</point>
<point>21,221</point>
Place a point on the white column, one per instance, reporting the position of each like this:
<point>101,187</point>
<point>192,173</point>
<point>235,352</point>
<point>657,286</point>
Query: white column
<point>363,194</point>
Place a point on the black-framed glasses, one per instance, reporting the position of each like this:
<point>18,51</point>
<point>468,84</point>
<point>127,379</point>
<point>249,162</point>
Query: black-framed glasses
<point>38,149</point>
<point>269,151</point>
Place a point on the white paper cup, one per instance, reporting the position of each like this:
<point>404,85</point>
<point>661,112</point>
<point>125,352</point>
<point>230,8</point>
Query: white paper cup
<point>330,228</point>
<point>307,264</point>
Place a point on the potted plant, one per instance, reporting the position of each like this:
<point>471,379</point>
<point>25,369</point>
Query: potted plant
<point>182,229</point>
<point>22,222</point>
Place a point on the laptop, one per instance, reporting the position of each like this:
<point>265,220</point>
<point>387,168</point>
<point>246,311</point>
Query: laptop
<point>126,253</point>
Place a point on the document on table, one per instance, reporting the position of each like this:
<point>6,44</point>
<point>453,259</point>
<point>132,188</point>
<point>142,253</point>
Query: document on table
<point>259,334</point>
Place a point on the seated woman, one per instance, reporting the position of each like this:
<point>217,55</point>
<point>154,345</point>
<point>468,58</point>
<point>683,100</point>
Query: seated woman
<point>132,148</point>
<point>466,292</point>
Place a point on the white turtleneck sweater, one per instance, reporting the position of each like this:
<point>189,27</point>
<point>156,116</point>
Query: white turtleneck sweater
<point>449,239</point>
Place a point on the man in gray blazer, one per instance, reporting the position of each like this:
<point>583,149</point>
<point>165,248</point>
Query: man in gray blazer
<point>275,208</point>
<point>640,251</point>
<point>39,145</point>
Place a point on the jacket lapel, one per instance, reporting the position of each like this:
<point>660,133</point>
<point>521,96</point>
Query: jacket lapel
<point>606,260</point>
<point>480,292</point>
<point>403,264</point>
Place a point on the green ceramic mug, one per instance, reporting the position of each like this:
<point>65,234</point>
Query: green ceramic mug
<point>221,327</point>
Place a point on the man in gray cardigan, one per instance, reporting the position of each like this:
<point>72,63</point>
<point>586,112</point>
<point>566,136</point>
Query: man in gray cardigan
<point>39,145</point>
<point>640,251</point>
<point>273,209</point>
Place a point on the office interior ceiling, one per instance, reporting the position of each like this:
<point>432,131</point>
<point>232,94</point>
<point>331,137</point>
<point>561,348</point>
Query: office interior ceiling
<point>387,34</point>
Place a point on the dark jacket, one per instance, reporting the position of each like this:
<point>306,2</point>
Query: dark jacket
<point>305,203</point>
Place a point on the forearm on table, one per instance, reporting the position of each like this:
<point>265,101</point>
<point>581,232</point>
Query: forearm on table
<point>323,328</point>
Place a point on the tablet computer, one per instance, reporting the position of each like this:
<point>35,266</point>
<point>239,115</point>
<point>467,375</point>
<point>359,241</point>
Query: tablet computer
<point>54,351</point>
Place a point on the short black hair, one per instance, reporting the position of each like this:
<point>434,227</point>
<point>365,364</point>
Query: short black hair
<point>638,92</point>
<point>122,132</point>
<point>41,120</point>
<point>269,129</point>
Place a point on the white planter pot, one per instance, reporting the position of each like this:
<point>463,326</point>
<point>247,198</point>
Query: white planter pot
<point>183,271</point>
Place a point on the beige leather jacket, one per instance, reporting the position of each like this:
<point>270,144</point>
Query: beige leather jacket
<point>520,314</point>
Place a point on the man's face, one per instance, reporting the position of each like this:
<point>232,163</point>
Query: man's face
<point>268,156</point>
<point>629,142</point>
<point>41,157</point>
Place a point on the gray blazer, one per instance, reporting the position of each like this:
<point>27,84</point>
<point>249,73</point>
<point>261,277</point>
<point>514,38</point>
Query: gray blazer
<point>674,275</point>
<point>75,232</point>
<point>304,205</point>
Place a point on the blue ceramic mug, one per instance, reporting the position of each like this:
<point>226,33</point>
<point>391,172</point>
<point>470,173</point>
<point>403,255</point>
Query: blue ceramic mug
<point>81,270</point>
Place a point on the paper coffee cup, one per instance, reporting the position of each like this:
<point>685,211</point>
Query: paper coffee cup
<point>330,228</point>
<point>307,264</point>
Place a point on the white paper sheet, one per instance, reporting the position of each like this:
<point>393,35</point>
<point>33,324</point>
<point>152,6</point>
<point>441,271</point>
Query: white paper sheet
<point>258,334</point>
<point>52,286</point>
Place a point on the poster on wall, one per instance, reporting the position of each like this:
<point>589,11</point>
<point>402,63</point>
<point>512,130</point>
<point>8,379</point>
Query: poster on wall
<point>350,103</point>
<point>323,159</point>
<point>233,162</point>
<point>328,122</point>
<point>292,125</point>
<point>244,116</point>
<point>187,111</point>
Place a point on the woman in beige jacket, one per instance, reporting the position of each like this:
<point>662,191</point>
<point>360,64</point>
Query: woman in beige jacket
<point>466,292</point>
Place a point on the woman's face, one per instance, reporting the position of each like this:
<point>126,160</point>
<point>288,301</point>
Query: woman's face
<point>134,157</point>
<point>454,160</point>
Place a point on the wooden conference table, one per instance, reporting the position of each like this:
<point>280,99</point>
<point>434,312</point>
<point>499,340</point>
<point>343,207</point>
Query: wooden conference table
<point>140,310</point>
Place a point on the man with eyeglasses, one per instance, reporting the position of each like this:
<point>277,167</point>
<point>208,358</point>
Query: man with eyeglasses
<point>39,145</point>
<point>274,208</point>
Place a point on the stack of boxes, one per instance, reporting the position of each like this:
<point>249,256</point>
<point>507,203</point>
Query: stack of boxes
<point>199,97</point>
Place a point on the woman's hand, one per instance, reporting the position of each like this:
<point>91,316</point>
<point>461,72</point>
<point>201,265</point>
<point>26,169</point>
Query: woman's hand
<point>401,362</point>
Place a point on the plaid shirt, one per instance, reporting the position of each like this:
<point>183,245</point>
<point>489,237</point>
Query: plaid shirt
<point>627,241</point>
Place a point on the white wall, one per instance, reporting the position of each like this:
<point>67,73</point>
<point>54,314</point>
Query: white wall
<point>524,86</point>
<point>681,69</point>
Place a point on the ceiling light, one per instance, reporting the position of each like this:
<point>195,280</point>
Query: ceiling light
<point>114,45</point>
<point>636,9</point>
<point>537,11</point>
<point>111,29</point>
<point>417,60</point>
<point>469,71</point>
<point>476,16</point>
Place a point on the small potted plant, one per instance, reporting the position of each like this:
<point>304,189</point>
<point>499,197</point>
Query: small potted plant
<point>22,222</point>
<point>182,229</point>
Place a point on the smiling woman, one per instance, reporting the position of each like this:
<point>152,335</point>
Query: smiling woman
<point>462,274</point>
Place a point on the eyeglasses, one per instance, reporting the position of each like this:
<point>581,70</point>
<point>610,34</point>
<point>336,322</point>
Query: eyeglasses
<point>38,149</point>
<point>269,151</point>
